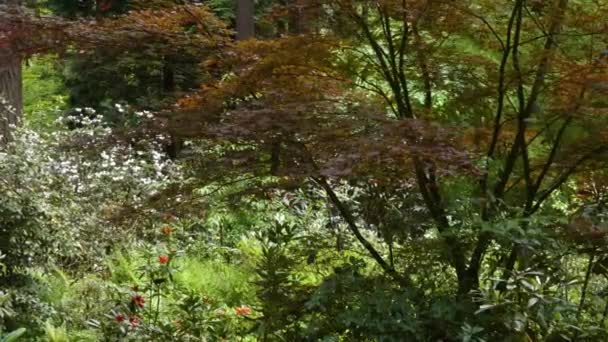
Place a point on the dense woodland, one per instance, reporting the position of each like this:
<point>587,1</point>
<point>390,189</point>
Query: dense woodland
<point>304,170</point>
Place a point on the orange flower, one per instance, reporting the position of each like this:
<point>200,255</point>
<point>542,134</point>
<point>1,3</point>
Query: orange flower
<point>242,310</point>
<point>163,259</point>
<point>167,230</point>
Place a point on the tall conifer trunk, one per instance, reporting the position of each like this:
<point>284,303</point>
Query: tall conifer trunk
<point>245,22</point>
<point>299,17</point>
<point>11,93</point>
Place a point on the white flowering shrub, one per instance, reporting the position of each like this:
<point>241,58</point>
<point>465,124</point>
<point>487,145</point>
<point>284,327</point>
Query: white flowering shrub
<point>61,189</point>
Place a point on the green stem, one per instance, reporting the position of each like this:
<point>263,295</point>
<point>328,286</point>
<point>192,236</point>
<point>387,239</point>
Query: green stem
<point>584,292</point>
<point>157,304</point>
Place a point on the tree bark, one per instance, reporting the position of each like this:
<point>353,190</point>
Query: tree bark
<point>299,17</point>
<point>245,22</point>
<point>11,93</point>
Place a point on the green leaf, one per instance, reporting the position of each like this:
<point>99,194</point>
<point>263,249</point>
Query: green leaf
<point>532,302</point>
<point>13,335</point>
<point>527,285</point>
<point>485,307</point>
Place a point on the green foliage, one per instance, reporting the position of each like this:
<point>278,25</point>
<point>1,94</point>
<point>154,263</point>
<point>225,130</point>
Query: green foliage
<point>224,9</point>
<point>229,283</point>
<point>85,8</point>
<point>122,268</point>
<point>44,93</point>
<point>55,334</point>
<point>358,306</point>
<point>279,290</point>
<point>100,80</point>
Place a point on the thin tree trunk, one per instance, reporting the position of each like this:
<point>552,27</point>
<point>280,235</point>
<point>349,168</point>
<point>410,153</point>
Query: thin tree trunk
<point>245,22</point>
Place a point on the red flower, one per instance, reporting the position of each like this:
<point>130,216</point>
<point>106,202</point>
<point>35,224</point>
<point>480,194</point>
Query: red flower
<point>134,322</point>
<point>138,300</point>
<point>163,259</point>
<point>242,310</point>
<point>167,230</point>
<point>119,318</point>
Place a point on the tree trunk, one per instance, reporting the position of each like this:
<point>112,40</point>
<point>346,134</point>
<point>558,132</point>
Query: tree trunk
<point>244,19</point>
<point>299,17</point>
<point>11,93</point>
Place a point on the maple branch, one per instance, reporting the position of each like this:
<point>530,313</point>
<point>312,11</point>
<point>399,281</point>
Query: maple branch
<point>352,225</point>
<point>542,130</point>
<point>403,43</point>
<point>512,258</point>
<point>514,184</point>
<point>561,131</point>
<point>534,94</point>
<point>401,69</point>
<point>521,99</point>
<point>573,34</point>
<point>507,169</point>
<point>397,59</point>
<point>486,23</point>
<point>482,241</point>
<point>386,28</point>
<point>527,174</point>
<point>426,179</point>
<point>424,69</point>
<point>427,183</point>
<point>540,25</point>
<point>552,154</point>
<point>485,238</point>
<point>430,194</point>
<point>501,85</point>
<point>565,175</point>
<point>382,57</point>
<point>370,58</point>
<point>548,48</point>
<point>395,75</point>
<point>376,89</point>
